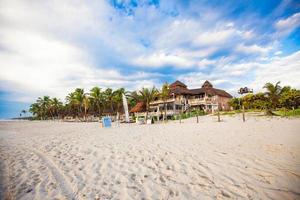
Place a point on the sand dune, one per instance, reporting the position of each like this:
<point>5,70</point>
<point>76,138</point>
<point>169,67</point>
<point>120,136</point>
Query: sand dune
<point>258,159</point>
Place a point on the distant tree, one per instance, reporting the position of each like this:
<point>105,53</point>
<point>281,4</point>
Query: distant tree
<point>146,96</point>
<point>273,94</point>
<point>56,106</point>
<point>247,101</point>
<point>259,101</point>
<point>24,112</point>
<point>234,103</point>
<point>109,98</point>
<point>97,99</point>
<point>36,110</point>
<point>71,104</point>
<point>290,98</point>
<point>118,98</point>
<point>86,105</point>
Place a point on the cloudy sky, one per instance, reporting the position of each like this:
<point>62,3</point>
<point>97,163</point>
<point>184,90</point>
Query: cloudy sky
<point>51,47</point>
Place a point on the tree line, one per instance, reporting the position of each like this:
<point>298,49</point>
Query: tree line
<point>275,97</point>
<point>96,102</point>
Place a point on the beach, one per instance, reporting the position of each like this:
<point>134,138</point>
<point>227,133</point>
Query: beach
<point>258,159</point>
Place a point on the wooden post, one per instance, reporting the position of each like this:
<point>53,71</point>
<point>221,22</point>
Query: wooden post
<point>219,119</point>
<point>180,115</point>
<point>198,114</point>
<point>243,113</point>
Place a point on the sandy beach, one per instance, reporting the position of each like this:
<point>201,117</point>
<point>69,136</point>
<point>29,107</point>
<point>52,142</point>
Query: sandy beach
<point>259,159</point>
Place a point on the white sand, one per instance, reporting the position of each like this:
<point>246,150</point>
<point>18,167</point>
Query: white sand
<point>259,159</point>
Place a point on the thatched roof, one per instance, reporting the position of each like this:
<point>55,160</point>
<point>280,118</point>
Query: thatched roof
<point>177,84</point>
<point>139,107</point>
<point>180,88</point>
<point>207,84</point>
<point>210,91</point>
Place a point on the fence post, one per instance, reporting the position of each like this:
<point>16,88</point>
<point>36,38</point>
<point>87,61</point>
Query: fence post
<point>243,113</point>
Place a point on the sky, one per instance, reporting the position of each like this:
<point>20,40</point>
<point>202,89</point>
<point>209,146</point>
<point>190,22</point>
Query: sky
<point>52,47</point>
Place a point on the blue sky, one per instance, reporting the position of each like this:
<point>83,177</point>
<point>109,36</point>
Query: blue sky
<point>52,47</point>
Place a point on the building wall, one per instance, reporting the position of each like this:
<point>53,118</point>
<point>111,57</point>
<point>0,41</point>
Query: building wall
<point>223,103</point>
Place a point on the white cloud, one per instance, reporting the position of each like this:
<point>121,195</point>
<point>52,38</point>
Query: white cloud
<point>39,55</point>
<point>205,62</point>
<point>286,26</point>
<point>162,59</point>
<point>51,47</point>
<point>252,49</point>
<point>216,37</point>
<point>285,69</point>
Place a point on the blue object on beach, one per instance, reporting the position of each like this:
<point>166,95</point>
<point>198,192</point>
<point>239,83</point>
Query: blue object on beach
<point>106,122</point>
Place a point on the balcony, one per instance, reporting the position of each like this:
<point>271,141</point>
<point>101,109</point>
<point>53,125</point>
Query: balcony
<point>201,101</point>
<point>169,113</point>
<point>152,103</point>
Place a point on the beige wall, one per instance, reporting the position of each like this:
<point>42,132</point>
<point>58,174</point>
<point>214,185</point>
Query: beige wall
<point>223,103</point>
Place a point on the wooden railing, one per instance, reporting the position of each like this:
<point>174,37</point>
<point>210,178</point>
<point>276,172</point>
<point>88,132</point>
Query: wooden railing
<point>199,101</point>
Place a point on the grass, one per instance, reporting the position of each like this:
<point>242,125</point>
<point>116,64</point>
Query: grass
<point>287,113</point>
<point>189,115</point>
<point>280,112</point>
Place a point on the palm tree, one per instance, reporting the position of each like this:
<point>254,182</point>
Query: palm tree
<point>45,106</point>
<point>273,93</point>
<point>35,109</point>
<point>56,106</point>
<point>108,95</point>
<point>71,103</point>
<point>86,105</point>
<point>79,96</point>
<point>146,96</point>
<point>164,95</point>
<point>97,99</point>
<point>118,98</point>
<point>23,112</point>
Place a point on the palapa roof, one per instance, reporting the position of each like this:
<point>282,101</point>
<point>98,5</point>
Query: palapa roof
<point>139,107</point>
<point>210,91</point>
<point>180,88</point>
<point>178,84</point>
<point>207,84</point>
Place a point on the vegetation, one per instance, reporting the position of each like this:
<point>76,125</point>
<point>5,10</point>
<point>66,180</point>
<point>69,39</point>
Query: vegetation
<point>147,95</point>
<point>275,98</point>
<point>283,101</point>
<point>288,113</point>
<point>190,114</point>
<point>80,104</point>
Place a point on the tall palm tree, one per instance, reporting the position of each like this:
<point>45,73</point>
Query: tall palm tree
<point>56,106</point>
<point>164,95</point>
<point>79,96</point>
<point>71,103</point>
<point>36,110</point>
<point>118,98</point>
<point>273,94</point>
<point>146,96</point>
<point>45,106</point>
<point>97,99</point>
<point>86,105</point>
<point>109,95</point>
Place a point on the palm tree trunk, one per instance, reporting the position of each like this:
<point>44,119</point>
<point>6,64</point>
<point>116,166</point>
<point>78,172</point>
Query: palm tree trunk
<point>147,110</point>
<point>99,110</point>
